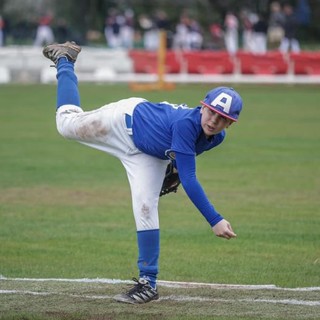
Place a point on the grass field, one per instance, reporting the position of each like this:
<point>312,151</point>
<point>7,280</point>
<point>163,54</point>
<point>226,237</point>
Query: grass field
<point>65,213</point>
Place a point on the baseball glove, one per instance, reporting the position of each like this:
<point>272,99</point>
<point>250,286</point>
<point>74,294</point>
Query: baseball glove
<point>171,180</point>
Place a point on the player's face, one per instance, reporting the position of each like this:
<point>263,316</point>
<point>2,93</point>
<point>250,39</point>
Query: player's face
<point>212,122</point>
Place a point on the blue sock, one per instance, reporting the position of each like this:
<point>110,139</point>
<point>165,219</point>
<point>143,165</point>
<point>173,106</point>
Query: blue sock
<point>67,90</point>
<point>149,249</point>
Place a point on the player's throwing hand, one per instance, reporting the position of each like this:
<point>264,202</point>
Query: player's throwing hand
<point>223,229</point>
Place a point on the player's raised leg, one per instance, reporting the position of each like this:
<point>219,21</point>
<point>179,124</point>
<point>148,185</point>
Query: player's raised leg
<point>64,56</point>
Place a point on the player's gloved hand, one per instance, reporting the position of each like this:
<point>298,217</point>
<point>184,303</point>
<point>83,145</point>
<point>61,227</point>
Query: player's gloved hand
<point>223,229</point>
<point>171,181</point>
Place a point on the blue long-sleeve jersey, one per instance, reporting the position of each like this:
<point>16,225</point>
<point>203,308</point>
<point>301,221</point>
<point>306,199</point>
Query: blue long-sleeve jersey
<point>163,129</point>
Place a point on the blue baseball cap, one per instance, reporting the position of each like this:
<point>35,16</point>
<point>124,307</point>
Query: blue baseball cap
<point>225,101</point>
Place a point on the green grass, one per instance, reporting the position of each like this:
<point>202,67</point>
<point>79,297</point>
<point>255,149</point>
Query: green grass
<point>65,209</point>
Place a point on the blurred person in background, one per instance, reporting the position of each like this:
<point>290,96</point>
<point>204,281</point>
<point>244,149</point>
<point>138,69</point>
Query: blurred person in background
<point>150,27</point>
<point>188,35</point>
<point>1,31</point>
<point>164,23</point>
<point>113,23</point>
<point>44,33</point>
<point>246,27</point>
<point>195,34</point>
<point>231,36</point>
<point>127,30</point>
<point>217,36</point>
<point>247,21</point>
<point>182,33</point>
<point>275,25</point>
<point>181,38</point>
<point>289,41</point>
<point>260,29</point>
<point>150,34</point>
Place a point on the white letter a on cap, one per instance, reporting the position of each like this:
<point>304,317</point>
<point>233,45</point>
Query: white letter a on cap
<point>224,101</point>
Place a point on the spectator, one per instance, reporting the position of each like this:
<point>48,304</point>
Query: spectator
<point>127,30</point>
<point>248,19</point>
<point>260,29</point>
<point>217,36</point>
<point>275,25</point>
<point>181,37</point>
<point>231,37</point>
<point>1,32</point>
<point>289,41</point>
<point>195,35</point>
<point>188,34</point>
<point>112,29</point>
<point>150,33</point>
<point>163,23</point>
<point>44,34</point>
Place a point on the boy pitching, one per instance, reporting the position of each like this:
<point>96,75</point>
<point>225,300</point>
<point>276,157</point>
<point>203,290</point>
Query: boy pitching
<point>146,136</point>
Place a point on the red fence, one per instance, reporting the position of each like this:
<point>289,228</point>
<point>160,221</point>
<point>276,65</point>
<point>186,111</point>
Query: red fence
<point>220,62</point>
<point>307,62</point>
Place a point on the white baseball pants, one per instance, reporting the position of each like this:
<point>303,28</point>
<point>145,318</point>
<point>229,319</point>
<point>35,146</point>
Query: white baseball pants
<point>105,129</point>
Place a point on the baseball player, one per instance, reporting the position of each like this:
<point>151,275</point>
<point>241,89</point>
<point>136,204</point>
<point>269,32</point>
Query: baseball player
<point>146,137</point>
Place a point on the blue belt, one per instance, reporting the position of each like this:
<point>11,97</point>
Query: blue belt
<point>128,119</point>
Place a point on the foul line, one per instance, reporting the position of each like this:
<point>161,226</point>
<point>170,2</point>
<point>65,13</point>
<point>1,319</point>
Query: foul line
<point>169,284</point>
<point>172,298</point>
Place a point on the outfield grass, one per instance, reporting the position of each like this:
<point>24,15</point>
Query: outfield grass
<point>65,209</point>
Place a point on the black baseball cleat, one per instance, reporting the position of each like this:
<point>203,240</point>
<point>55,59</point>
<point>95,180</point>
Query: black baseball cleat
<point>69,50</point>
<point>141,292</point>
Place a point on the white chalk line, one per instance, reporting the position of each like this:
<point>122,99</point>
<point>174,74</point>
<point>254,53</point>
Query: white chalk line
<point>169,284</point>
<point>172,298</point>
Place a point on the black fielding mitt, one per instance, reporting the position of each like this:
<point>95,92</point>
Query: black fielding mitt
<point>171,180</point>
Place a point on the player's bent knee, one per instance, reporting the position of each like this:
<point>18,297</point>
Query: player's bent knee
<point>146,216</point>
<point>64,128</point>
